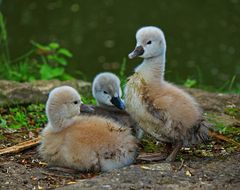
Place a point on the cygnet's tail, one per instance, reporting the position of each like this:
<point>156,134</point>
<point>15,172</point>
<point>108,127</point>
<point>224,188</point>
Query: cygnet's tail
<point>202,132</point>
<point>199,133</point>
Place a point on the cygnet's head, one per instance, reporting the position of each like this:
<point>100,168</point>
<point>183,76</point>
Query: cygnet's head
<point>150,43</point>
<point>107,91</point>
<point>63,103</point>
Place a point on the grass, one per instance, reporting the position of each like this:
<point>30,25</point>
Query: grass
<point>225,127</point>
<point>232,111</point>
<point>29,117</point>
<point>230,86</point>
<point>150,145</point>
<point>88,100</point>
<point>122,75</point>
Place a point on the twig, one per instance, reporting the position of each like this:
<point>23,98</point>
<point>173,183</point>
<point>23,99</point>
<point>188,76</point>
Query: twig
<point>20,147</point>
<point>224,138</point>
<point>181,166</point>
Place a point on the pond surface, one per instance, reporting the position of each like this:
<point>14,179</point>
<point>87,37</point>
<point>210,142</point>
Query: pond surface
<point>203,37</point>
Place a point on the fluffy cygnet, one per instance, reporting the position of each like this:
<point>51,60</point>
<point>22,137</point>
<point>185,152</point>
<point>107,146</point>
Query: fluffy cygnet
<point>107,91</point>
<point>83,142</point>
<point>161,109</point>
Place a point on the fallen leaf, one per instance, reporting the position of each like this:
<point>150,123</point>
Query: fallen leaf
<point>71,182</point>
<point>42,163</point>
<point>145,167</point>
<point>188,173</point>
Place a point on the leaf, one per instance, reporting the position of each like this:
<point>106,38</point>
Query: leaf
<point>42,163</point>
<point>65,52</point>
<point>47,72</point>
<point>61,61</point>
<point>189,83</point>
<point>71,182</point>
<point>40,46</point>
<point>66,76</point>
<point>188,173</point>
<point>145,167</point>
<point>54,45</point>
<point>57,59</point>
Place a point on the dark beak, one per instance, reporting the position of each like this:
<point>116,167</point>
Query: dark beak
<point>136,52</point>
<point>86,108</point>
<point>118,103</point>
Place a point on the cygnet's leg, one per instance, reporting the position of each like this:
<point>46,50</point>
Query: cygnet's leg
<point>150,157</point>
<point>168,148</point>
<point>173,155</point>
<point>63,169</point>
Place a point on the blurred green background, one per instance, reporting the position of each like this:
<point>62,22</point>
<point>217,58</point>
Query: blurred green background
<point>203,36</point>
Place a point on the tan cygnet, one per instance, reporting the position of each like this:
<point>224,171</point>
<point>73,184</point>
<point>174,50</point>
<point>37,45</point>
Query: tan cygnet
<point>107,91</point>
<point>161,109</point>
<point>85,143</point>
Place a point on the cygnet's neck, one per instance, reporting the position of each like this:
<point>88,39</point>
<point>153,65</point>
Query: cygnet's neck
<point>57,122</point>
<point>152,69</point>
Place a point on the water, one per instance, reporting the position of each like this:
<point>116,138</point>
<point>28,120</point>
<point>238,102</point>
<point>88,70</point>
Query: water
<point>203,38</point>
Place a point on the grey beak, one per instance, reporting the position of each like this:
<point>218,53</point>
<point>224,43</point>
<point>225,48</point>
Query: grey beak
<point>136,52</point>
<point>118,103</point>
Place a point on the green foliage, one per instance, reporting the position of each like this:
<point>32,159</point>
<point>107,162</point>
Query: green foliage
<point>190,83</point>
<point>3,31</point>
<point>150,145</point>
<point>227,86</point>
<point>3,122</point>
<point>232,111</point>
<point>20,72</point>
<point>3,41</point>
<point>43,62</point>
<point>30,117</point>
<point>223,126</point>
<point>89,100</point>
<point>48,72</point>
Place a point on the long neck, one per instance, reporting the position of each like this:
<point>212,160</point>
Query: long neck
<point>152,69</point>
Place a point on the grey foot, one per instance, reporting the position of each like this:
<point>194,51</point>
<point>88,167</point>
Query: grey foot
<point>150,157</point>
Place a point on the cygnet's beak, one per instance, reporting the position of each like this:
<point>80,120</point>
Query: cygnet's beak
<point>136,52</point>
<point>86,108</point>
<point>118,103</point>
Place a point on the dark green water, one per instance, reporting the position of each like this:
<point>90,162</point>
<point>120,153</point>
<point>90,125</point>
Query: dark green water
<point>203,36</point>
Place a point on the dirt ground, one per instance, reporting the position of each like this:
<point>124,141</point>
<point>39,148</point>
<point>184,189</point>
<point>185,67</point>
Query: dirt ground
<point>27,171</point>
<point>209,174</point>
<point>215,163</point>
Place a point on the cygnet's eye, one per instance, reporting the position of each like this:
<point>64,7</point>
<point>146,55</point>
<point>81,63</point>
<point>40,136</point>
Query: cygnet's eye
<point>149,42</point>
<point>75,102</point>
<point>105,92</point>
